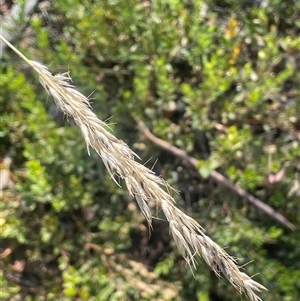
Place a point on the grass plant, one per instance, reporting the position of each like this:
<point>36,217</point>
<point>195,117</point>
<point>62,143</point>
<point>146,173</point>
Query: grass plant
<point>141,182</point>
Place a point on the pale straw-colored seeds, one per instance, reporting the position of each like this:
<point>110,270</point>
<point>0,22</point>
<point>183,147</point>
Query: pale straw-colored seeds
<point>141,182</point>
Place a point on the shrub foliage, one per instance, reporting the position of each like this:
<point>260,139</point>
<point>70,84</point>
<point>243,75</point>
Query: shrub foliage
<point>218,79</point>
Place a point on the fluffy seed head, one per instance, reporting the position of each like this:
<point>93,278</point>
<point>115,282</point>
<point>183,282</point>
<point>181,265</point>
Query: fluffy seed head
<point>141,182</point>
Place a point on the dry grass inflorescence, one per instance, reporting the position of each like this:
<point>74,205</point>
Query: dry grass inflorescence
<point>141,182</point>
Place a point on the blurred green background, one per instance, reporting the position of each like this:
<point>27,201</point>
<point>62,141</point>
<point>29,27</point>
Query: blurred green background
<point>217,79</point>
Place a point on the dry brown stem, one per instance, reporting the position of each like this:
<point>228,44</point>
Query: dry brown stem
<point>217,177</point>
<point>141,182</point>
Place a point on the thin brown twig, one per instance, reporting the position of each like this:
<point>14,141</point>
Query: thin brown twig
<point>216,176</point>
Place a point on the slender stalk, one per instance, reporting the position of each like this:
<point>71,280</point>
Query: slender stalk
<point>216,177</point>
